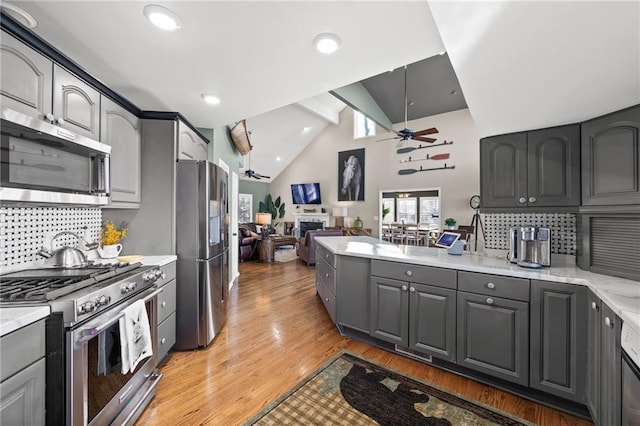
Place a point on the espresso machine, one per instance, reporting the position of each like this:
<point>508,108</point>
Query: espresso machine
<point>530,246</point>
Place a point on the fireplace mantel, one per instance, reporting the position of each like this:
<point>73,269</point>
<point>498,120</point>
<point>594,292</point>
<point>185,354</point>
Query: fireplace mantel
<point>311,217</point>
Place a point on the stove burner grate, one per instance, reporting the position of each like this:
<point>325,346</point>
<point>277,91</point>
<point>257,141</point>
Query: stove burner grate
<point>32,289</point>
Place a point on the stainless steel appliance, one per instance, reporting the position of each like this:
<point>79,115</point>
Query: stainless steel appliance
<point>630,342</point>
<point>202,249</point>
<point>86,305</point>
<point>44,163</point>
<point>534,247</point>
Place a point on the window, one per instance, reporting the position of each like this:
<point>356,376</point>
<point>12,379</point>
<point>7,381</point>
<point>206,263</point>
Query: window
<point>430,211</point>
<point>407,210</point>
<point>245,208</point>
<point>363,126</point>
<point>412,206</point>
<point>389,203</point>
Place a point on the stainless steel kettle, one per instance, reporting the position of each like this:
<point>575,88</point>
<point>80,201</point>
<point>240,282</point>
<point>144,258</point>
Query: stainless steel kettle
<point>66,257</point>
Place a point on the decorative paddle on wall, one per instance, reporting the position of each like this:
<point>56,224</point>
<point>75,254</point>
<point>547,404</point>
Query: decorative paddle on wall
<point>428,157</point>
<point>410,148</point>
<point>412,171</point>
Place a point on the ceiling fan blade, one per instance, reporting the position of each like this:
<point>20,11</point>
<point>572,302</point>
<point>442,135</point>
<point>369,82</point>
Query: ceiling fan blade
<point>430,131</point>
<point>386,139</point>
<point>423,139</point>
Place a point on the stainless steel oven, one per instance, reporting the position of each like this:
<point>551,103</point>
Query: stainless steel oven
<point>44,163</point>
<point>630,342</point>
<point>99,390</point>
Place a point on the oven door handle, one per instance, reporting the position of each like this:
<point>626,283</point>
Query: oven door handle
<point>90,333</point>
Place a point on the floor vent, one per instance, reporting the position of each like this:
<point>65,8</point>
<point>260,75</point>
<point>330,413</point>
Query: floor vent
<point>413,354</point>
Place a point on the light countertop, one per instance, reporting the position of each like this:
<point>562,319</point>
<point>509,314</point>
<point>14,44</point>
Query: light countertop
<point>621,295</point>
<point>12,319</point>
<point>159,260</point>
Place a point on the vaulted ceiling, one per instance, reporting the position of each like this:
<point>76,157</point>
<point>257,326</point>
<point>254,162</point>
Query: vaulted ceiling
<point>519,65</point>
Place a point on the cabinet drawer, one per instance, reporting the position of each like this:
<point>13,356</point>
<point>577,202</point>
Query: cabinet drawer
<point>326,275</point>
<point>428,275</point>
<point>167,301</point>
<point>166,336</point>
<point>169,274</point>
<point>494,285</point>
<point>21,348</point>
<point>324,253</point>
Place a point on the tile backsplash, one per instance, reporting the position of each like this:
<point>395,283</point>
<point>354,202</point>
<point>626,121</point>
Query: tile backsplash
<point>24,230</point>
<point>562,225</point>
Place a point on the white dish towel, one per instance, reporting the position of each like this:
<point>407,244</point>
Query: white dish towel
<point>135,336</point>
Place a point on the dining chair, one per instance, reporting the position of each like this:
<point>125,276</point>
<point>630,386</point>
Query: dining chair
<point>398,233</point>
<point>412,235</point>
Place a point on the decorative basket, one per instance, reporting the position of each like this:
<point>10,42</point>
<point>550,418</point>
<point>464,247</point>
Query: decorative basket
<point>240,137</point>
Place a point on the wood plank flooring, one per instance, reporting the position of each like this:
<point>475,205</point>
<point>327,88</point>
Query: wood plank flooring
<point>276,334</point>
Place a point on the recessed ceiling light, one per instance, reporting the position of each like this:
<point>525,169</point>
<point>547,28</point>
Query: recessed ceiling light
<point>210,99</point>
<point>162,17</point>
<point>327,43</point>
<point>306,129</point>
<point>278,158</point>
<point>19,15</point>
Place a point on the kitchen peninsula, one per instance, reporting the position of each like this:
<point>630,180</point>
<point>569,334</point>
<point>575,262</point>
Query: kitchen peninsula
<point>524,330</point>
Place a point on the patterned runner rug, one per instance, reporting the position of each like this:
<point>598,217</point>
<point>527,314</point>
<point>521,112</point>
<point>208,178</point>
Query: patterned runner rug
<point>351,391</point>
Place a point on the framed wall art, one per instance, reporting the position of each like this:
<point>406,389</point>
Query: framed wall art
<point>351,175</point>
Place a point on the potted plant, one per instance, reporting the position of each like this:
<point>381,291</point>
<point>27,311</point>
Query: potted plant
<point>450,222</point>
<point>276,208</point>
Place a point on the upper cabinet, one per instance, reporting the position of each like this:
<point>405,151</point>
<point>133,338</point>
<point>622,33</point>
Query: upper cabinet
<point>537,168</point>
<point>121,130</point>
<point>190,145</point>
<point>611,159</point>
<point>76,105</point>
<point>26,78</point>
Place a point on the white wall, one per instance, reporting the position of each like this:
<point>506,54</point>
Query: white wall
<point>319,163</point>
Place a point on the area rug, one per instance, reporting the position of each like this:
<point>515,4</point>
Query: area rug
<point>351,391</point>
<point>285,254</point>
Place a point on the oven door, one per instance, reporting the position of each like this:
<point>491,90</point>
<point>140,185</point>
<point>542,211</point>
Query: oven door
<point>630,392</point>
<point>98,392</point>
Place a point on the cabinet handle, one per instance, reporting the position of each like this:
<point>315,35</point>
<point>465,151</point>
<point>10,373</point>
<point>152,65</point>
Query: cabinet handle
<point>409,273</point>
<point>489,301</point>
<point>532,199</point>
<point>608,322</point>
<point>50,117</point>
<point>594,306</point>
<point>326,299</point>
<point>326,275</point>
<point>404,288</point>
<point>164,303</point>
<point>412,289</point>
<point>522,200</point>
<point>163,340</point>
<point>491,286</point>
<point>60,121</point>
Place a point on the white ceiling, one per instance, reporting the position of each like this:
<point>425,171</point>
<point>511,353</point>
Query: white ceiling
<point>521,65</point>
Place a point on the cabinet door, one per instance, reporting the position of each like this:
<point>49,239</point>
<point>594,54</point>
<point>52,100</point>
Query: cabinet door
<point>76,105</point>
<point>503,170</point>
<point>594,341</point>
<point>121,130</point>
<point>554,167</point>
<point>611,380</point>
<point>432,321</point>
<point>558,339</point>
<point>493,336</point>
<point>26,78</point>
<point>190,145</point>
<point>389,310</point>
<point>353,299</point>
<point>23,397</point>
<point>611,159</point>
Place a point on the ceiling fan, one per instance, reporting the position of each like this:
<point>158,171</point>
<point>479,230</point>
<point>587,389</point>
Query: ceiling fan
<point>250,173</point>
<point>407,134</point>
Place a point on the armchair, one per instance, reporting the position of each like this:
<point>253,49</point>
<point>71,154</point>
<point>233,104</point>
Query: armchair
<point>306,246</point>
<point>247,240</point>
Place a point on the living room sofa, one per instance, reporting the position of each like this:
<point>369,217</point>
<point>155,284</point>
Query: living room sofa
<point>306,246</point>
<point>247,240</point>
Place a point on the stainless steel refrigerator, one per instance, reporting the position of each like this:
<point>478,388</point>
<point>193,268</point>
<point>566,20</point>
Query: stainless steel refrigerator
<point>202,249</point>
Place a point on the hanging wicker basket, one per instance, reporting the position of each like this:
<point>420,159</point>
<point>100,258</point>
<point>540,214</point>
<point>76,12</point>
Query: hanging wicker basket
<point>240,137</point>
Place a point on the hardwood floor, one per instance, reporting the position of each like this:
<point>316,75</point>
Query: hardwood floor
<point>277,333</point>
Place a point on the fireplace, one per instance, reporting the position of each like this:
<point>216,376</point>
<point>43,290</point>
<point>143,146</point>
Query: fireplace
<point>310,226</point>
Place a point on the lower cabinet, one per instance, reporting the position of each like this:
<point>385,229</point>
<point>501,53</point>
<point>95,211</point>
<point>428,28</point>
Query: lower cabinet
<point>493,336</point>
<point>325,285</point>
<point>604,374</point>
<point>352,292</point>
<point>558,339</point>
<point>167,311</point>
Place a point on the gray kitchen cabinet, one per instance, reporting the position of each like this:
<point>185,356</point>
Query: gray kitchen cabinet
<point>611,159</point>
<point>415,307</point>
<point>558,339</point>
<point>326,283</point>
<point>22,376</point>
<point>536,168</point>
<point>166,318</point>
<point>594,343</point>
<point>76,105</point>
<point>352,292</point>
<point>190,145</point>
<point>121,130</point>
<point>493,336</point>
<point>26,78</point>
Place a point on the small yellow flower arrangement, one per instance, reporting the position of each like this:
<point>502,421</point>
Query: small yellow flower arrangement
<point>110,235</point>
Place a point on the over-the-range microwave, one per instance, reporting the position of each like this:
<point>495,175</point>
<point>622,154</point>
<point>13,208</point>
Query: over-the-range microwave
<point>41,163</point>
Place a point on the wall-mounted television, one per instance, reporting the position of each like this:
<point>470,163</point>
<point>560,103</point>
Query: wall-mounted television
<point>306,193</point>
